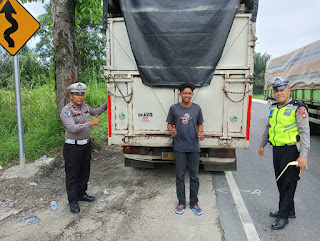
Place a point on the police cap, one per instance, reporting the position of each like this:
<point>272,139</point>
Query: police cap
<point>77,87</point>
<point>279,83</point>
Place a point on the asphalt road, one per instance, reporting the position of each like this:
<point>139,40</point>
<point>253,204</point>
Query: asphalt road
<point>256,182</point>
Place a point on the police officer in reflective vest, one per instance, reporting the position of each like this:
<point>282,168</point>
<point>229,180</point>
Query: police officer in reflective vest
<point>77,148</point>
<point>288,132</point>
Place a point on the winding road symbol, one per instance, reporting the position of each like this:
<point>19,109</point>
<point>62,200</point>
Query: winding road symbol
<point>8,10</point>
<point>17,25</point>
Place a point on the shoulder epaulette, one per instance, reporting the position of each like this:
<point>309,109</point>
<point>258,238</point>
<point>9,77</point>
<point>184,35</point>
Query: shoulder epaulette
<point>297,103</point>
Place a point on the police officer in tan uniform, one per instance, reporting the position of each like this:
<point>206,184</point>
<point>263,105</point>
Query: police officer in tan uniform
<point>288,132</point>
<point>77,148</point>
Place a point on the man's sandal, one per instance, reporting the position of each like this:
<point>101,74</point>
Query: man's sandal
<point>180,211</point>
<point>196,210</point>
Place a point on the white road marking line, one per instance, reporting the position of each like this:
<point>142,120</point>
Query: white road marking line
<point>244,215</point>
<point>226,190</point>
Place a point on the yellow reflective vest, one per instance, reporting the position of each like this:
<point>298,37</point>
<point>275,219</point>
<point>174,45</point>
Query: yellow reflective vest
<point>283,124</point>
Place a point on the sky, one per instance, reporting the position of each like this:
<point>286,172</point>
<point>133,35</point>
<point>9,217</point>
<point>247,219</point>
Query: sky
<point>35,8</point>
<point>282,25</point>
<point>286,25</point>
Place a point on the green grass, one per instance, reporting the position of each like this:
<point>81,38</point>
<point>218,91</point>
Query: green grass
<point>43,132</point>
<point>258,96</point>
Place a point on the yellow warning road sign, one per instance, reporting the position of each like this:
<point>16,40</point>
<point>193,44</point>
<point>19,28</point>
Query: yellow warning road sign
<point>17,25</point>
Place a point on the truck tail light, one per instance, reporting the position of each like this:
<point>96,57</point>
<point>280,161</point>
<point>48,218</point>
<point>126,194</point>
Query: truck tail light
<point>131,150</point>
<point>109,115</point>
<point>249,118</point>
<point>222,153</point>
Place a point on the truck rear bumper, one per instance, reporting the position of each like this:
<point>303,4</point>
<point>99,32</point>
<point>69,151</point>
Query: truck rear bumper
<point>166,141</point>
<point>158,159</point>
<point>209,163</point>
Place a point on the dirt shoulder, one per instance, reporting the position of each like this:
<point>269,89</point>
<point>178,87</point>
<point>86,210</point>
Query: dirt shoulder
<point>131,204</point>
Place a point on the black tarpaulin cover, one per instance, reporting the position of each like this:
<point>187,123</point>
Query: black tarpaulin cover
<point>176,41</point>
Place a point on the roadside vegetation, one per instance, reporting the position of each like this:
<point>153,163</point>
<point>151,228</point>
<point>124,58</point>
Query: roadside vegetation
<point>258,96</point>
<point>260,62</point>
<point>43,132</point>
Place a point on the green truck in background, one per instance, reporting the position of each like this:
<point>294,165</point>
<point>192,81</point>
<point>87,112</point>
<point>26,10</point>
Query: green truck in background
<point>302,68</point>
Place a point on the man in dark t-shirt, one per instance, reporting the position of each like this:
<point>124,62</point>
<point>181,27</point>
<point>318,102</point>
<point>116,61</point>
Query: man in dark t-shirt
<point>185,125</point>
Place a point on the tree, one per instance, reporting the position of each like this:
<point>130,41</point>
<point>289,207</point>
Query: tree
<point>91,47</point>
<point>32,73</point>
<point>64,29</point>
<point>6,66</point>
<point>44,48</point>
<point>65,47</point>
<point>260,62</point>
<point>90,39</point>
<point>66,60</point>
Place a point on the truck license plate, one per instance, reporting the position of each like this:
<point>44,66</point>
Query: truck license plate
<point>167,155</point>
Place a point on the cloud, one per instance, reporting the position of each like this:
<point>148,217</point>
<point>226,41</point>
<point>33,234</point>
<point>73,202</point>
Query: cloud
<point>286,25</point>
<point>35,8</point>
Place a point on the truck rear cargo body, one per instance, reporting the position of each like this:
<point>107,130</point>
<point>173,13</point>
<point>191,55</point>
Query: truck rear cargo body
<point>138,112</point>
<point>302,68</point>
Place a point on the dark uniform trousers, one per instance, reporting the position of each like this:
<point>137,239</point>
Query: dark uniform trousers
<point>287,183</point>
<point>77,167</point>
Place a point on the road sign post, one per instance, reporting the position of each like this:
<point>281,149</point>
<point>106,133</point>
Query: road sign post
<point>19,109</point>
<point>17,26</point>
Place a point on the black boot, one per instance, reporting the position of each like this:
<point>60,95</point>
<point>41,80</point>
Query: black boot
<point>86,198</point>
<point>280,223</point>
<point>74,207</point>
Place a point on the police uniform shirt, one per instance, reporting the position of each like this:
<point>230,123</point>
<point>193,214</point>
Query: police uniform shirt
<point>303,128</point>
<point>77,120</point>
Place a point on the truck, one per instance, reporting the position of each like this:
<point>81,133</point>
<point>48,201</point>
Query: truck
<point>153,47</point>
<point>302,68</point>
